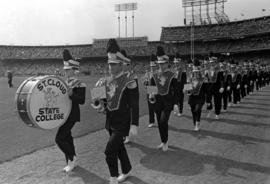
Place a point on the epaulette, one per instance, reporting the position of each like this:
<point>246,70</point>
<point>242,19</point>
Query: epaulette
<point>100,82</point>
<point>83,85</point>
<point>132,84</point>
<point>135,76</point>
<point>176,74</point>
<point>128,74</point>
<point>74,83</point>
<point>131,75</point>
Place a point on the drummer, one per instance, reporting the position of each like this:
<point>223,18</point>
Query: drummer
<point>76,91</point>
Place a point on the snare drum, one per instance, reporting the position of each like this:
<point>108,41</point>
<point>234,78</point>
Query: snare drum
<point>43,102</point>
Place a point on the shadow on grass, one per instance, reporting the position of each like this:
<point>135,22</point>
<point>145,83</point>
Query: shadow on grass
<point>88,177</point>
<point>251,108</point>
<point>255,103</point>
<point>219,135</point>
<point>233,122</point>
<point>183,162</point>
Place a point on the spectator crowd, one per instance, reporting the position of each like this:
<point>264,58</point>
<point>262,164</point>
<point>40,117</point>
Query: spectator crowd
<point>234,37</point>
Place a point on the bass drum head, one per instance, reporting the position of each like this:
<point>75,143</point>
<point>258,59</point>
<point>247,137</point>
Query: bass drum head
<point>49,104</point>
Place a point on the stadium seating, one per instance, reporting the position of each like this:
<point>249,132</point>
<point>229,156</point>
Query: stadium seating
<point>231,30</point>
<point>246,36</point>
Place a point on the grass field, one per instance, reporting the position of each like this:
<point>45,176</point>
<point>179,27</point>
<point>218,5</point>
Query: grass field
<point>18,139</point>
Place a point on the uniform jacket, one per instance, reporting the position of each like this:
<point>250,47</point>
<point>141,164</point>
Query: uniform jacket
<point>128,109</point>
<point>228,81</point>
<point>77,98</point>
<point>167,101</point>
<point>219,82</point>
<point>181,80</point>
<point>200,98</point>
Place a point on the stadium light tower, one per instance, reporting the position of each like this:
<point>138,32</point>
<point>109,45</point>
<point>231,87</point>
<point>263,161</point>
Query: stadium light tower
<point>204,11</point>
<point>126,7</point>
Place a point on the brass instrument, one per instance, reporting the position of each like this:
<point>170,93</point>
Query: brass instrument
<point>195,78</point>
<point>98,94</point>
<point>205,70</point>
<point>151,89</point>
<point>152,98</point>
<point>188,86</point>
<point>145,78</point>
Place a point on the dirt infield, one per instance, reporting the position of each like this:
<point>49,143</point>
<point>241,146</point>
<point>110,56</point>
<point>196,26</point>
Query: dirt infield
<point>232,150</point>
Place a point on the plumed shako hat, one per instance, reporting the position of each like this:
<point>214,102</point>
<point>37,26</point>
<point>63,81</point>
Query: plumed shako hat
<point>114,54</point>
<point>69,62</point>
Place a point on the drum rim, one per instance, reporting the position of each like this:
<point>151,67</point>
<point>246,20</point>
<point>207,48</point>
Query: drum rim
<point>29,98</point>
<point>17,96</point>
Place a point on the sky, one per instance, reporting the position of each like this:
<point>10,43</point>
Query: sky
<point>62,22</point>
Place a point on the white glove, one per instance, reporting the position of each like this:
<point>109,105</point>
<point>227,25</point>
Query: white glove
<point>101,110</point>
<point>221,90</point>
<point>133,130</point>
<point>245,86</point>
<point>175,108</point>
<point>100,82</point>
<point>228,88</point>
<point>70,91</point>
<point>238,86</point>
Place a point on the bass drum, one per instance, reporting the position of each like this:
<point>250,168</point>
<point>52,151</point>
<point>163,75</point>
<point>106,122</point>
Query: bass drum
<point>43,102</point>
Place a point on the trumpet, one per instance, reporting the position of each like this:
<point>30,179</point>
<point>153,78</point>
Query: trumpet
<point>151,89</point>
<point>99,105</point>
<point>145,78</point>
<point>152,98</point>
<point>98,94</point>
<point>188,86</point>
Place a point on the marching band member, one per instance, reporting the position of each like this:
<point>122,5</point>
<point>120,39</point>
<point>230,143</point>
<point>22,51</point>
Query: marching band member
<point>227,85</point>
<point>197,94</point>
<point>57,72</point>
<point>76,91</point>
<point>167,93</point>
<point>218,89</point>
<point>127,68</point>
<point>121,99</point>
<point>250,78</point>
<point>210,75</point>
<point>181,81</point>
<point>244,81</point>
<point>238,81</point>
<point>267,74</point>
<point>258,77</point>
<point>9,75</point>
<point>263,75</point>
<point>235,83</point>
<point>146,82</point>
